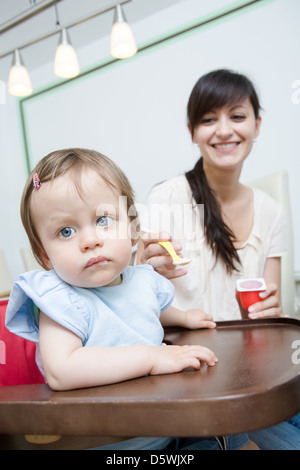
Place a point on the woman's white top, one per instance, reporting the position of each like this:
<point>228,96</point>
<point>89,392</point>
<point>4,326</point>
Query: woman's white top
<point>207,285</point>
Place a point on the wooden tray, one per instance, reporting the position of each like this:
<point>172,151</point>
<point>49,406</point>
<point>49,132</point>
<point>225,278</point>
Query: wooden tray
<point>254,385</point>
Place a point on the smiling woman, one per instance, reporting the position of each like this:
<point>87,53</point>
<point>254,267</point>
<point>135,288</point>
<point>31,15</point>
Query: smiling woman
<point>230,241</point>
<point>227,130</point>
<point>242,232</point>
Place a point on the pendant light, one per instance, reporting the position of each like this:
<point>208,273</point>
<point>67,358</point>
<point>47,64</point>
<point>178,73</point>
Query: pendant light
<point>122,43</point>
<point>65,63</point>
<point>19,83</point>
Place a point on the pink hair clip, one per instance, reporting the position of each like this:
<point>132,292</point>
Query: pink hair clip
<point>36,181</point>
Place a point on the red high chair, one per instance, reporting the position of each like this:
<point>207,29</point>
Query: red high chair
<point>17,357</point>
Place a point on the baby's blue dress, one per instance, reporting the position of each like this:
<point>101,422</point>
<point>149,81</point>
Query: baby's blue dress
<point>120,315</point>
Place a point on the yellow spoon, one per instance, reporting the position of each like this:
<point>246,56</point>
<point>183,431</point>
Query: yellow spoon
<point>176,259</point>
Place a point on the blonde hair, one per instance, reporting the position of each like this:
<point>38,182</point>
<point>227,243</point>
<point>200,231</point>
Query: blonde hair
<point>60,162</point>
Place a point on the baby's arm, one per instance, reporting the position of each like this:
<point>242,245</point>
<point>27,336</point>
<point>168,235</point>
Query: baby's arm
<point>192,319</point>
<point>68,365</point>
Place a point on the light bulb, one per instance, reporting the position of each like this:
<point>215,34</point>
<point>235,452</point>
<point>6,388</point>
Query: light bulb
<point>122,42</point>
<point>19,83</point>
<point>65,63</point>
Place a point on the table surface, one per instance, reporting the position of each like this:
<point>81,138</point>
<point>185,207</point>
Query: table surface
<point>256,384</point>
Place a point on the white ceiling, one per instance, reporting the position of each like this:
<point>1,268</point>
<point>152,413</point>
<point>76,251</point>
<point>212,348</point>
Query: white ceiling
<point>69,11</point>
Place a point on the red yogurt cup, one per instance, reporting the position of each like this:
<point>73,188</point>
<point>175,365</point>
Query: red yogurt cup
<point>249,290</point>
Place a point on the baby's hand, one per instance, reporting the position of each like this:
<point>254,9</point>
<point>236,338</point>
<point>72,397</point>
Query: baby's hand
<point>196,318</point>
<point>171,359</point>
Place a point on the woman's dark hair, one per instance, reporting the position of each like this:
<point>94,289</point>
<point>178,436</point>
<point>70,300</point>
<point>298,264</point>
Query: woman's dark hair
<point>213,91</point>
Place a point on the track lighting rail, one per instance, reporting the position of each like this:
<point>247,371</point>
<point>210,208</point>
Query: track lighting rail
<point>68,26</point>
<point>26,15</point>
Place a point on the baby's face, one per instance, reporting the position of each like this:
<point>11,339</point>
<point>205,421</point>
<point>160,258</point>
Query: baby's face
<point>87,239</point>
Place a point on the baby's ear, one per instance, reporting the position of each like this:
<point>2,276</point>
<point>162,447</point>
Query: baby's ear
<point>135,231</point>
<point>46,263</point>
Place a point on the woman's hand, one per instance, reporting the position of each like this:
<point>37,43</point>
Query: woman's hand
<point>150,252</point>
<point>268,307</point>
